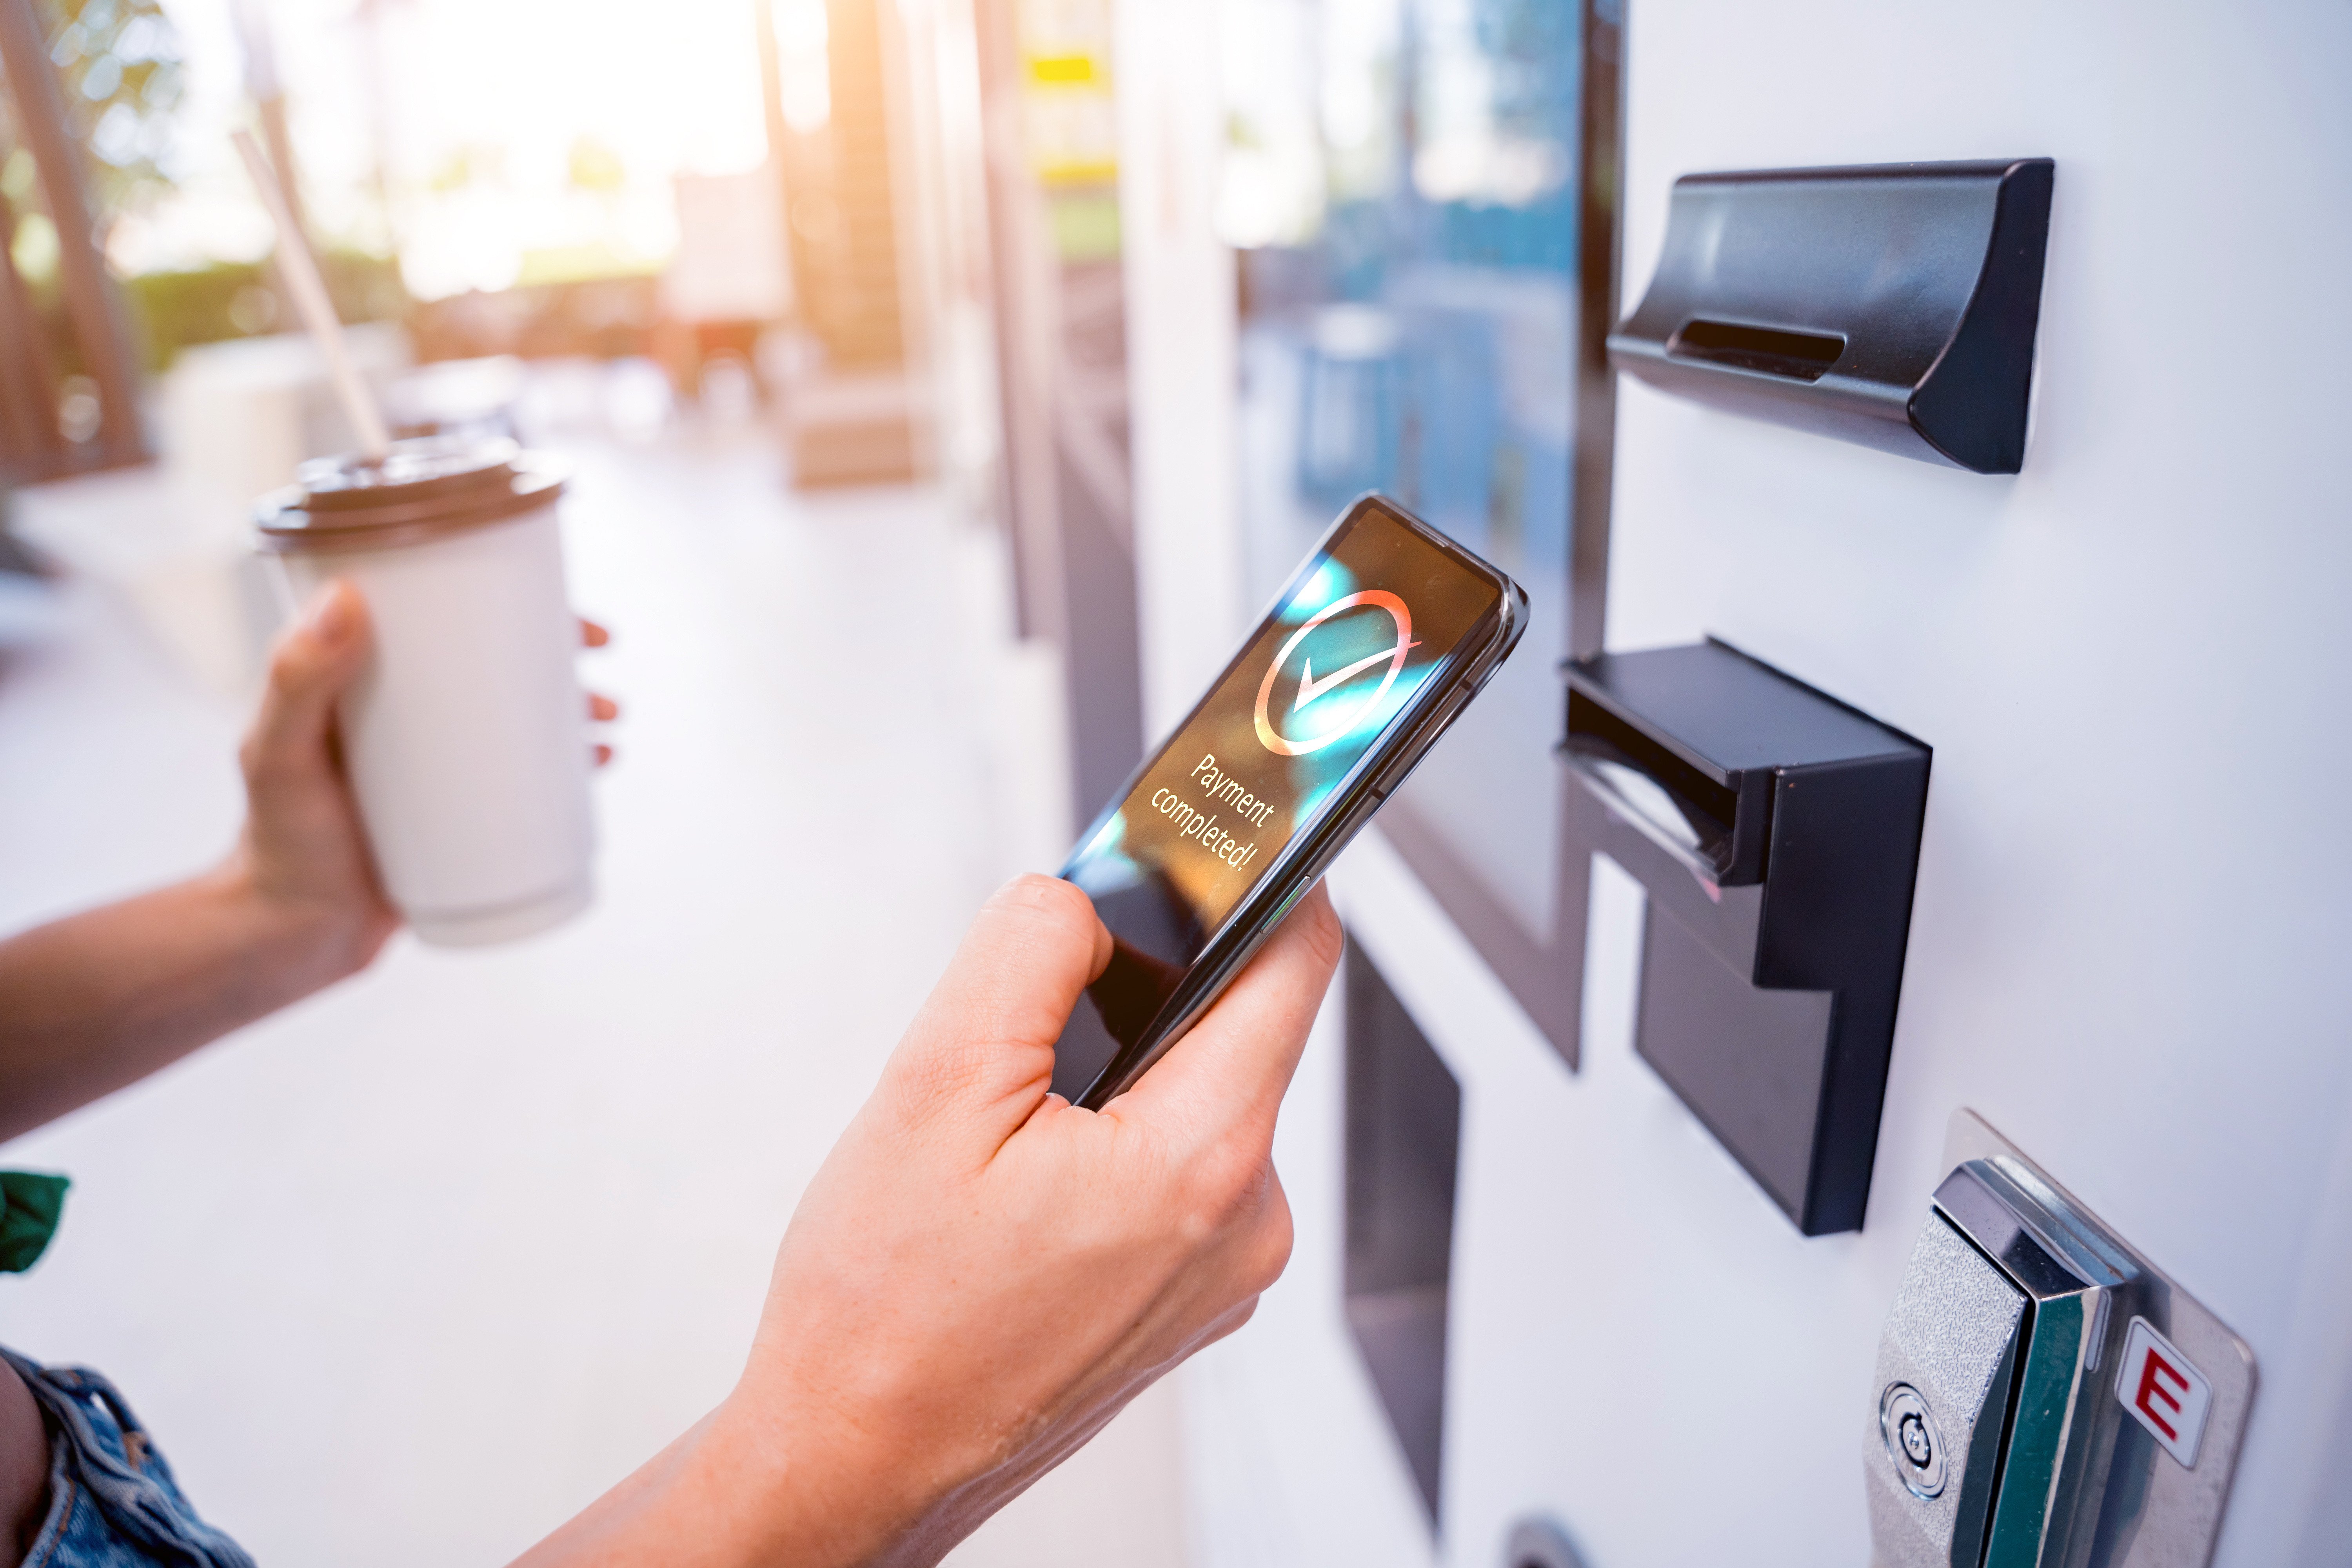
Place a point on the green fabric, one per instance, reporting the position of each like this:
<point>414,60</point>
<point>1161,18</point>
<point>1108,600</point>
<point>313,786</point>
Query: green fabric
<point>28,1217</point>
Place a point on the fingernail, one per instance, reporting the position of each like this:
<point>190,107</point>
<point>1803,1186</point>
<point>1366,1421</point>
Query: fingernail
<point>331,615</point>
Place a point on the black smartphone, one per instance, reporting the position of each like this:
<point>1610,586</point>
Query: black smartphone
<point>1374,646</point>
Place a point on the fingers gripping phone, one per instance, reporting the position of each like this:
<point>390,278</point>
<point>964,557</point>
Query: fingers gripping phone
<point>1374,646</point>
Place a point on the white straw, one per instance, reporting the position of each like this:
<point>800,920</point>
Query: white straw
<point>301,270</point>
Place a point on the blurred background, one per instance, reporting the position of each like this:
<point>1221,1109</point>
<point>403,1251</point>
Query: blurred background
<point>413,1271</point>
<point>947,384</point>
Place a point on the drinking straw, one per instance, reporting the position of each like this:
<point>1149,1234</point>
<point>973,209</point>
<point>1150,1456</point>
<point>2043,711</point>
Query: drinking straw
<point>301,270</point>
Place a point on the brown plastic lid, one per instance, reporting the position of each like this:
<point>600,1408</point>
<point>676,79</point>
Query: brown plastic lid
<point>426,486</point>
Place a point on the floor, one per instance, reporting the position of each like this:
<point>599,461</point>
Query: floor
<point>414,1269</point>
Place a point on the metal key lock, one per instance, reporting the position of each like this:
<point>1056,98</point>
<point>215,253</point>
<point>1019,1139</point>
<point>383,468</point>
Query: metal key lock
<point>2045,1397</point>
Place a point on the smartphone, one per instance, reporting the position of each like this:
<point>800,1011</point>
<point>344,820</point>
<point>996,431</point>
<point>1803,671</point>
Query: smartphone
<point>1375,645</point>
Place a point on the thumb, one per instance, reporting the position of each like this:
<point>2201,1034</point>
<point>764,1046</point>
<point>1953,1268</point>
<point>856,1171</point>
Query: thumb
<point>980,1052</point>
<point>311,663</point>
<point>1237,1062</point>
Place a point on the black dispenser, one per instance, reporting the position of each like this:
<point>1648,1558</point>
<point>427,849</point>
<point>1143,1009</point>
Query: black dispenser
<point>1893,306</point>
<point>1776,831</point>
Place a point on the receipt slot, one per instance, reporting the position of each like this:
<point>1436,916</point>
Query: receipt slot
<point>2044,1396</point>
<point>1776,831</point>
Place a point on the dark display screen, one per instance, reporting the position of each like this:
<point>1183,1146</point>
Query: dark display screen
<point>1362,629</point>
<point>1438,184</point>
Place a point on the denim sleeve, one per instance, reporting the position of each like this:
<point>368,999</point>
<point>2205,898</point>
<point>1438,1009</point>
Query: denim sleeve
<point>112,1500</point>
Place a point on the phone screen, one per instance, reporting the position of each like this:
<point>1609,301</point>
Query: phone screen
<point>1375,615</point>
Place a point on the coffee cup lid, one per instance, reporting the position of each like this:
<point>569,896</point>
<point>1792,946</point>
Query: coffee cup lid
<point>426,486</point>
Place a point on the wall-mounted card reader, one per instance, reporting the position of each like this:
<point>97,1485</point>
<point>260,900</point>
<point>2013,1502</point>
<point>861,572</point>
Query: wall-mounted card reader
<point>2044,1396</point>
<point>1778,833</point>
<point>1893,306</point>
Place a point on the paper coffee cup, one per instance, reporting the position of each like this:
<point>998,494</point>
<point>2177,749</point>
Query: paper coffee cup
<point>465,734</point>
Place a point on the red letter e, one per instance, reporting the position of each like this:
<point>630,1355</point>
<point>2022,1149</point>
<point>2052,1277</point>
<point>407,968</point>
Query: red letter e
<point>2150,1389</point>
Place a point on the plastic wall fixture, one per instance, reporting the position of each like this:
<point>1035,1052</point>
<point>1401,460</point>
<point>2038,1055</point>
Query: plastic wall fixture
<point>1776,831</point>
<point>1538,1542</point>
<point>1403,1149</point>
<point>1893,306</point>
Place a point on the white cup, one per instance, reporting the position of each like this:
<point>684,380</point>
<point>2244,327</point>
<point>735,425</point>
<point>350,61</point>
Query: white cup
<point>465,734</point>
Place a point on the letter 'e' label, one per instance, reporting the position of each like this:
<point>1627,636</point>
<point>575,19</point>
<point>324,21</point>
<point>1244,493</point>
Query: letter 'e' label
<point>2164,1391</point>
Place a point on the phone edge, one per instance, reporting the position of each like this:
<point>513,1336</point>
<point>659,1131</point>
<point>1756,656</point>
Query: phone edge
<point>1181,1012</point>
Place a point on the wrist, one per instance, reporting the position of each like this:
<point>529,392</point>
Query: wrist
<point>787,1479</point>
<point>750,1485</point>
<point>307,942</point>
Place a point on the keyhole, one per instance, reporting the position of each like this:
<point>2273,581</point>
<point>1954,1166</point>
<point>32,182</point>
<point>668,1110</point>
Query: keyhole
<point>1915,1445</point>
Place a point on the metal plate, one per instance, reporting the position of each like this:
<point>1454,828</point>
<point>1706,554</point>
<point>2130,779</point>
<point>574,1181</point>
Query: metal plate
<point>1950,1342</point>
<point>2156,1514</point>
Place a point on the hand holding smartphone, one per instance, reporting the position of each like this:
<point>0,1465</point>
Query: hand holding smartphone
<point>1374,646</point>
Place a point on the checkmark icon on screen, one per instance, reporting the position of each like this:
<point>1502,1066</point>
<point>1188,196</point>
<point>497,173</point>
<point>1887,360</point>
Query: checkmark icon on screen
<point>1309,689</point>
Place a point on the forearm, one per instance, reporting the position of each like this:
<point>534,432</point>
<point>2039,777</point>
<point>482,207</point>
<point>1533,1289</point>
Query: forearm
<point>745,1488</point>
<point>98,1000</point>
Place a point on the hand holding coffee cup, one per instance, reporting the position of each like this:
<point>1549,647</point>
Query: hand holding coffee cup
<point>462,727</point>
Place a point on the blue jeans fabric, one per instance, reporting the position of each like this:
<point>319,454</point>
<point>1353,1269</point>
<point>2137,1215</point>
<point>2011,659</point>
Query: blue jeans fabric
<point>112,1501</point>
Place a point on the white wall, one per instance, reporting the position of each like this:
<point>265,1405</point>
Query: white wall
<point>2124,949</point>
<point>1180,354</point>
<point>2132,661</point>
